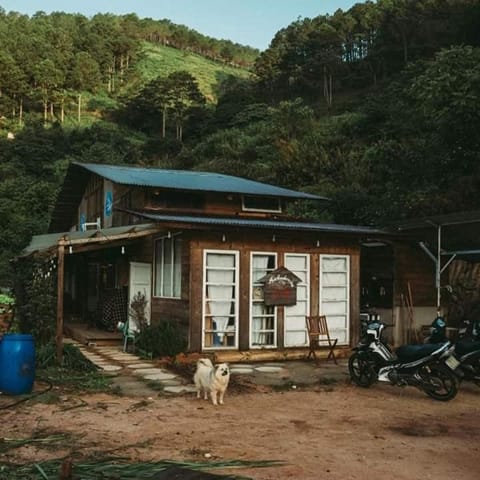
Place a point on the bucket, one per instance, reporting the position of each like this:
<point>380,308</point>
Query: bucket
<point>17,363</point>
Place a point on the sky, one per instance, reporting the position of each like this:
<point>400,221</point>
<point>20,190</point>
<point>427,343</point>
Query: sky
<point>247,22</point>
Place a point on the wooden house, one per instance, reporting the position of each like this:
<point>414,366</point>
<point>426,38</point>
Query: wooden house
<point>197,245</point>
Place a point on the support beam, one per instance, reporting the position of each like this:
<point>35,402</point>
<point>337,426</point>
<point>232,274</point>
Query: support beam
<point>60,287</point>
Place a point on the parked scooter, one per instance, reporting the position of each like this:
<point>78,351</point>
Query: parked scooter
<point>467,347</point>
<point>429,367</point>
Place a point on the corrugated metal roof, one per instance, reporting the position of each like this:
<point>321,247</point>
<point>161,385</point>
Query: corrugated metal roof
<point>41,243</point>
<point>448,219</point>
<point>190,180</point>
<point>261,224</point>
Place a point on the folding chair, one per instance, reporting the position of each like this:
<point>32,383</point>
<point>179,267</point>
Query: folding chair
<point>318,333</point>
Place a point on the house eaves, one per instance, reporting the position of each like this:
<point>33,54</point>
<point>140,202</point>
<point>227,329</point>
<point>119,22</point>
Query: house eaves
<point>49,243</point>
<point>208,221</point>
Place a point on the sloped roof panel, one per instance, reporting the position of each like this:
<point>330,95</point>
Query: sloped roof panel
<point>191,180</point>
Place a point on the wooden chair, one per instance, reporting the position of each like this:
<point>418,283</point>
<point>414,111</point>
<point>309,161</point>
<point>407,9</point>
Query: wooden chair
<point>319,336</point>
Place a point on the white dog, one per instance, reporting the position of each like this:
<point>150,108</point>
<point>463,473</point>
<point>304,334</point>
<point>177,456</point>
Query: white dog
<point>213,379</point>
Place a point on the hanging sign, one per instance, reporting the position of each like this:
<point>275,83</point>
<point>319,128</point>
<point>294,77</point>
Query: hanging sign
<point>280,287</point>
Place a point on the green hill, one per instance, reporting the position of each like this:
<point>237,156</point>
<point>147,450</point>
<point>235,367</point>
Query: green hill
<point>161,60</point>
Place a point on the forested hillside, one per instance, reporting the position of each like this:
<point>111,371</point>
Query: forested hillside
<point>377,107</point>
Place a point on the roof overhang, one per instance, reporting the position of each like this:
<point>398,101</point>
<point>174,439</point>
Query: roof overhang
<point>460,232</point>
<point>208,222</point>
<point>48,244</point>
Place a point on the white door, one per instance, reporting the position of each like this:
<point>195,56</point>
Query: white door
<point>140,281</point>
<point>295,326</point>
<point>335,294</point>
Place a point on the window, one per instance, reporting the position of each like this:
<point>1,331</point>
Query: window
<point>295,326</point>
<point>263,327</point>
<point>179,200</point>
<point>261,204</point>
<point>168,267</point>
<point>220,299</point>
<point>334,294</point>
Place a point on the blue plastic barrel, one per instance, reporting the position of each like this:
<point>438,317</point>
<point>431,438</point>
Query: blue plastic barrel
<point>17,363</point>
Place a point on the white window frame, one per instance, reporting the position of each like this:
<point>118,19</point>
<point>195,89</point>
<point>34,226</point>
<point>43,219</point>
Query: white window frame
<point>303,327</point>
<point>262,210</point>
<point>335,331</point>
<point>236,299</point>
<point>159,276</point>
<point>252,300</point>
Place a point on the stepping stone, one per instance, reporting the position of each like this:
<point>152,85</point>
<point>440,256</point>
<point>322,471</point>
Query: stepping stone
<point>110,368</point>
<point>148,371</point>
<point>242,370</point>
<point>94,358</point>
<point>269,369</point>
<point>158,376</point>
<point>180,389</point>
<point>171,382</point>
<point>240,365</point>
<point>135,366</point>
<point>124,358</point>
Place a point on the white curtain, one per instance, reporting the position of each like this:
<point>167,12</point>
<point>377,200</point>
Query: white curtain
<point>259,269</point>
<point>220,290</point>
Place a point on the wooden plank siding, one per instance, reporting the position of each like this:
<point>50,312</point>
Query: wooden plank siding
<point>412,265</point>
<point>247,242</point>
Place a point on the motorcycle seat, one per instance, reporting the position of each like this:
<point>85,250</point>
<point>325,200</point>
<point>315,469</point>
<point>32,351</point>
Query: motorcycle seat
<point>415,352</point>
<point>464,346</point>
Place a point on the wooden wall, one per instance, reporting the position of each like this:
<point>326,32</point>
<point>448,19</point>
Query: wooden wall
<point>413,266</point>
<point>247,242</point>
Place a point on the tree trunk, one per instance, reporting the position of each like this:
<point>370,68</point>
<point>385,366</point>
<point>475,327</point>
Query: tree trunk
<point>405,47</point>
<point>20,112</point>
<point>327,87</point>
<point>79,112</point>
<point>62,111</point>
<point>45,111</point>
<point>164,121</point>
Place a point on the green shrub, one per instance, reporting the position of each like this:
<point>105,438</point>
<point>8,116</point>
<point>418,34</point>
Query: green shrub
<point>165,339</point>
<point>73,359</point>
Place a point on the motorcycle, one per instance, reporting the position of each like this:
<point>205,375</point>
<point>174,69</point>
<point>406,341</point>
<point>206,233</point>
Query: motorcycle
<point>429,367</point>
<point>467,347</point>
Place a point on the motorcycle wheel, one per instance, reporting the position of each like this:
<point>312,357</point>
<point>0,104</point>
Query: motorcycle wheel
<point>473,370</point>
<point>360,370</point>
<point>440,383</point>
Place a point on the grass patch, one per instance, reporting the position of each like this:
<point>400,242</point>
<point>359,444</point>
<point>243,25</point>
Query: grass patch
<point>161,60</point>
<point>75,380</point>
<point>111,469</point>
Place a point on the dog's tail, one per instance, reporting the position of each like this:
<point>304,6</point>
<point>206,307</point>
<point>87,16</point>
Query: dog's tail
<point>206,362</point>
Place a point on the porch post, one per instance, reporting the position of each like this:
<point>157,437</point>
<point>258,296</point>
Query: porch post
<point>60,285</point>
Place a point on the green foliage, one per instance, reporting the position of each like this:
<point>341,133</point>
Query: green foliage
<point>137,310</point>
<point>166,338</point>
<point>73,359</point>
<point>36,295</point>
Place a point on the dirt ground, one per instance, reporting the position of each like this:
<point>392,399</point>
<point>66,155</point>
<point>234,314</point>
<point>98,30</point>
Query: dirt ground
<point>336,431</point>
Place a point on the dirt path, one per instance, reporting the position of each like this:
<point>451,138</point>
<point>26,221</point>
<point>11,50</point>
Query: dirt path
<point>339,432</point>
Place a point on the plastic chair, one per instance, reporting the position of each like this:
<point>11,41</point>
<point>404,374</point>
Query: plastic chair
<point>128,334</point>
